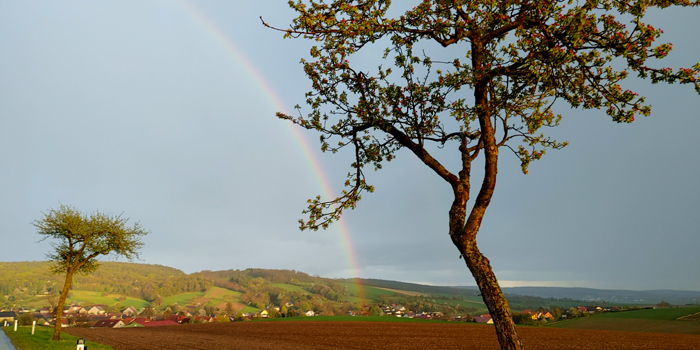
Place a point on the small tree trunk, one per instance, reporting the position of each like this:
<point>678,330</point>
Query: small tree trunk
<point>493,297</point>
<point>61,304</point>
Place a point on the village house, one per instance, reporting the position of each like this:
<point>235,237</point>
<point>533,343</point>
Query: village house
<point>96,310</point>
<point>144,322</point>
<point>485,318</point>
<point>130,312</point>
<point>109,324</point>
<point>8,316</point>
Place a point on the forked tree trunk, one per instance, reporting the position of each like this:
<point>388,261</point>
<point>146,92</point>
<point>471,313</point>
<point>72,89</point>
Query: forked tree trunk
<point>493,297</point>
<point>61,304</point>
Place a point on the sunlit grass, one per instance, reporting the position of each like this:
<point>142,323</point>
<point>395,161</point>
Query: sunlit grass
<point>182,299</point>
<point>96,298</point>
<point>290,287</point>
<point>41,340</point>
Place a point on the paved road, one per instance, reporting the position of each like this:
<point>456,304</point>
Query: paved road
<point>5,343</point>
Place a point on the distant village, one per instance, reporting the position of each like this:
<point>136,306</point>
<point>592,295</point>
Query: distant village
<point>97,316</point>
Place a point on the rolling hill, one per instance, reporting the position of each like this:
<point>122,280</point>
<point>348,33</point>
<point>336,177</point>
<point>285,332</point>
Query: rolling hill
<point>116,284</point>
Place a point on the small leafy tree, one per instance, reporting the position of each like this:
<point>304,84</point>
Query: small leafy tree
<point>25,319</point>
<point>512,60</point>
<point>79,239</point>
<point>556,313</point>
<point>229,309</point>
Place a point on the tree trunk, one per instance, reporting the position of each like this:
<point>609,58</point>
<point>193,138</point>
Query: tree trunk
<point>493,297</point>
<point>61,304</point>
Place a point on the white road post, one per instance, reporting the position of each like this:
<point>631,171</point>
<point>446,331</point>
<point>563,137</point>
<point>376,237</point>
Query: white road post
<point>15,325</point>
<point>33,325</point>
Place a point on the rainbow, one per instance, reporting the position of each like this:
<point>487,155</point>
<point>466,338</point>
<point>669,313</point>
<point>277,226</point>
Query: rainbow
<point>222,39</point>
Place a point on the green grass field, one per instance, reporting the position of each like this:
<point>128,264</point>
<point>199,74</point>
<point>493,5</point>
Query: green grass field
<point>371,293</point>
<point>250,309</point>
<point>96,298</point>
<point>86,297</point>
<point>218,296</point>
<point>182,299</point>
<point>669,314</point>
<point>656,320</point>
<point>41,340</point>
<point>290,287</point>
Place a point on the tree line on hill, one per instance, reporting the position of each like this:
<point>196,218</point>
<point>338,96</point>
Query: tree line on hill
<point>21,281</point>
<point>258,288</point>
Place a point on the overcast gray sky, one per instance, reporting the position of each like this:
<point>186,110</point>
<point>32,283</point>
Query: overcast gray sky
<point>152,109</point>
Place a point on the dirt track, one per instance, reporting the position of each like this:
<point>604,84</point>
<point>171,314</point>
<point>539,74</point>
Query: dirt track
<point>370,335</point>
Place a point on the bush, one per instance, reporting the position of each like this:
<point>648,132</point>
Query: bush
<point>25,319</point>
<point>523,319</point>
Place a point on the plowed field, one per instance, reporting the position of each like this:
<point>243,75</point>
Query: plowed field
<point>370,335</point>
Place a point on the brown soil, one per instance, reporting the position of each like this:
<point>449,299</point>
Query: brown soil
<point>370,335</point>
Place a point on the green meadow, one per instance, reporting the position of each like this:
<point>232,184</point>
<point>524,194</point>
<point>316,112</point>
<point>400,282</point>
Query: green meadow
<point>669,313</point>
<point>248,308</point>
<point>652,320</point>
<point>182,299</point>
<point>96,298</point>
<point>217,296</point>
<point>467,302</point>
<point>290,287</point>
<point>41,339</point>
<point>371,293</point>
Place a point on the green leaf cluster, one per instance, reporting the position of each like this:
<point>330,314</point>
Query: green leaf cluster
<point>78,238</point>
<point>517,58</point>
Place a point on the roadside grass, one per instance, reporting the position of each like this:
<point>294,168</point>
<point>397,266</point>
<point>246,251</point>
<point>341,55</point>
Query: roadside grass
<point>41,340</point>
<point>652,320</point>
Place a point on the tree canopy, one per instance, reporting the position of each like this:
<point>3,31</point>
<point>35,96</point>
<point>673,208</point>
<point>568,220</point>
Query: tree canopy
<point>517,57</point>
<point>473,77</point>
<point>79,239</point>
